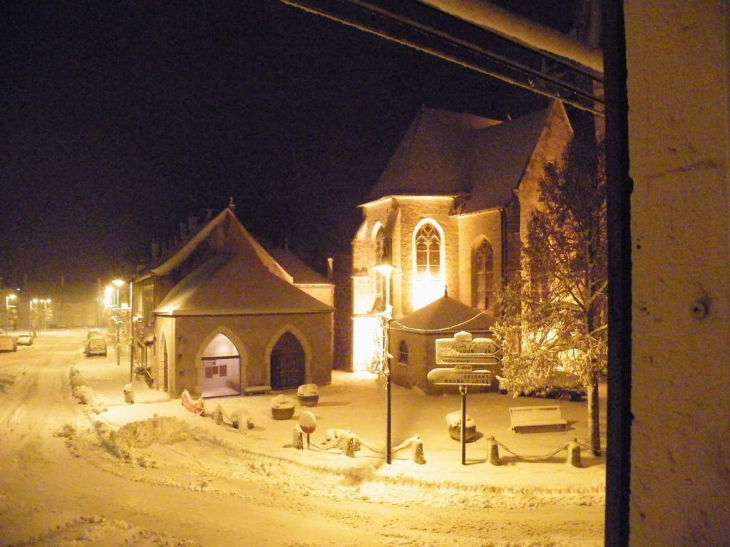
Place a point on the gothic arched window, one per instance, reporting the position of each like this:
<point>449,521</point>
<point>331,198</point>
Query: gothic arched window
<point>379,245</point>
<point>403,352</point>
<point>428,252</point>
<point>482,273</point>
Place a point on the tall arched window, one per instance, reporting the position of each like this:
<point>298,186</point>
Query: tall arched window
<point>428,252</point>
<point>380,289</point>
<point>379,244</point>
<point>403,352</point>
<point>482,272</point>
<point>428,264</point>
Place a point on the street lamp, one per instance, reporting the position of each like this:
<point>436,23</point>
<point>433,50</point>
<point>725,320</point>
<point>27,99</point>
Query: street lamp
<point>386,270</point>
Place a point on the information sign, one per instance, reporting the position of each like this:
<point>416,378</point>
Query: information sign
<point>460,375</point>
<point>463,349</point>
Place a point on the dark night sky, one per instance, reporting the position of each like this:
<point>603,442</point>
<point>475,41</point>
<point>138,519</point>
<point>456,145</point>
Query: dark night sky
<point>120,117</point>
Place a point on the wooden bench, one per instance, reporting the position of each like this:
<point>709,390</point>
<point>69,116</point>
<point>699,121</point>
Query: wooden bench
<point>522,417</point>
<point>256,390</point>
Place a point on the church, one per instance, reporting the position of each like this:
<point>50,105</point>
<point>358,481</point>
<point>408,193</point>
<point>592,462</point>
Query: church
<point>442,227</point>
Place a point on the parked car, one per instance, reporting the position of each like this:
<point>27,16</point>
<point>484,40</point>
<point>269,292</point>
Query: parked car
<point>562,385</point>
<point>24,340</point>
<point>8,343</point>
<point>95,346</point>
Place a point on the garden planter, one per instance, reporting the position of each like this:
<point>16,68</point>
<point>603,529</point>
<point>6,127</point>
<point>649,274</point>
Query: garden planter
<point>453,420</point>
<point>282,408</point>
<point>308,395</point>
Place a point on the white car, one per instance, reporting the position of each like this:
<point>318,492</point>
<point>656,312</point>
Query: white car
<point>24,340</point>
<point>562,385</point>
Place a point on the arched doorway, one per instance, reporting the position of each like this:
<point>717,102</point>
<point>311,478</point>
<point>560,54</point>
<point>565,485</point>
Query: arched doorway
<point>221,368</point>
<point>287,363</point>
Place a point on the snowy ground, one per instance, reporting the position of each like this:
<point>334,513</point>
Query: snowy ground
<point>108,473</point>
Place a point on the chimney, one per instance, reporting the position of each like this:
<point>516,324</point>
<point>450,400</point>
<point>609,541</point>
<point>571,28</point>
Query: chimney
<point>156,249</point>
<point>192,223</point>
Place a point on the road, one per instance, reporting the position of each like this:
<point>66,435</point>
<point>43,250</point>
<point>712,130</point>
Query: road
<point>62,484</point>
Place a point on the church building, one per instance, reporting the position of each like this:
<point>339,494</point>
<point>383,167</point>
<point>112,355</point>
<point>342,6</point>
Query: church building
<point>446,220</point>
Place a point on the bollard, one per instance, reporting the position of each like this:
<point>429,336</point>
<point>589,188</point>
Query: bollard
<point>417,451</point>
<point>492,451</point>
<point>128,394</point>
<point>297,438</point>
<point>573,453</point>
<point>242,419</point>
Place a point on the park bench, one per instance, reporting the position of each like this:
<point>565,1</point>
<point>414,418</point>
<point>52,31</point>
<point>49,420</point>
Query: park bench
<point>256,390</point>
<point>522,417</point>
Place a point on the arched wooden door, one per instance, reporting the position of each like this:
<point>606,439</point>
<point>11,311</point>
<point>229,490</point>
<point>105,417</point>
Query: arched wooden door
<point>287,363</point>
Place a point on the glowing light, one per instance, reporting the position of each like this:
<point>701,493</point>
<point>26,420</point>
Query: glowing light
<point>220,345</point>
<point>362,342</point>
<point>109,293</point>
<point>426,290</point>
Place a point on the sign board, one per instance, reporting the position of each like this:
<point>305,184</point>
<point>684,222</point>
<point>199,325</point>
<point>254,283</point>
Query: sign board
<point>462,349</point>
<point>460,375</point>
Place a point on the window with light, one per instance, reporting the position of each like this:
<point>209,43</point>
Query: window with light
<point>482,275</point>
<point>428,282</point>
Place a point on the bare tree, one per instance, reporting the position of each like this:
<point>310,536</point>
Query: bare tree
<point>554,315</point>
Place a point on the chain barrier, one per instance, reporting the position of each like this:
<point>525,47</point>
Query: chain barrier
<point>528,458</point>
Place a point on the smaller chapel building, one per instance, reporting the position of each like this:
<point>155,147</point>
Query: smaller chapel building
<point>220,315</point>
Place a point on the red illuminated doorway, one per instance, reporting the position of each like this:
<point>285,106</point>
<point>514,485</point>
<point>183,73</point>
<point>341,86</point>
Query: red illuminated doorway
<point>287,363</point>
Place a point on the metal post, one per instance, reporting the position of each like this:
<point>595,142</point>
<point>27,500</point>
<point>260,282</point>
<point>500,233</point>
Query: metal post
<point>131,339</point>
<point>462,390</point>
<point>388,436</point>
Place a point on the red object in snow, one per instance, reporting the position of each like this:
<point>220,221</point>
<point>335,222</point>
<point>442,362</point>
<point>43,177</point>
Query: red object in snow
<point>193,406</point>
<point>307,422</point>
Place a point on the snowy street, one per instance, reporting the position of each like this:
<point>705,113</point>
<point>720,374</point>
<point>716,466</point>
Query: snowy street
<point>106,473</point>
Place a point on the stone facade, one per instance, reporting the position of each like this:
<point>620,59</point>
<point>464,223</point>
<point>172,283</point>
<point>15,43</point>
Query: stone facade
<point>221,316</point>
<point>482,188</point>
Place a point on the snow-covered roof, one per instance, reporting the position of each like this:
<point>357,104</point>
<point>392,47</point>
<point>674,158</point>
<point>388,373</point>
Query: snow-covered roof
<point>300,272</point>
<point>232,284</point>
<point>446,315</point>
<point>431,157</point>
<point>223,234</point>
<point>499,156</point>
<point>448,154</point>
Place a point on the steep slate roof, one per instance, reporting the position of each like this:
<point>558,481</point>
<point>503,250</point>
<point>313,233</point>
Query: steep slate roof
<point>448,153</point>
<point>301,273</point>
<point>235,275</point>
<point>445,314</point>
<point>223,234</point>
<point>499,157</point>
<point>232,284</point>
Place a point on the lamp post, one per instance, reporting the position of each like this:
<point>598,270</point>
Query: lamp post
<point>387,315</point>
